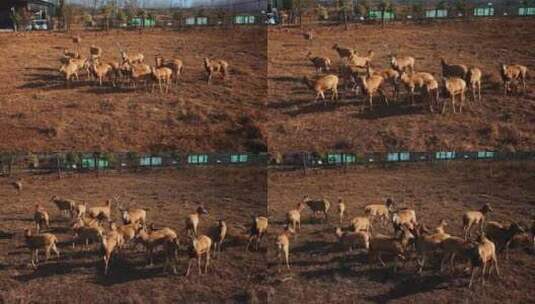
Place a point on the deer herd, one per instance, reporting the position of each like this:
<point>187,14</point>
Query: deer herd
<point>358,72</point>
<point>131,70</point>
<point>96,224</point>
<point>404,238</point>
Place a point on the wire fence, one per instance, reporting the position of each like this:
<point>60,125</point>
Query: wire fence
<point>329,13</point>
<point>11,163</point>
<point>84,162</point>
<point>304,160</point>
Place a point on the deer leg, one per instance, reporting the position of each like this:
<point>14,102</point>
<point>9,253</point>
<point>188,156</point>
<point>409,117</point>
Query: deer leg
<point>483,270</point>
<point>495,259</point>
<point>422,263</point>
<point>472,277</point>
<point>444,106</point>
<point>384,96</point>
<point>207,261</point>
<point>431,103</point>
<point>463,97</point>
<point>443,262</point>
<point>380,260</point>
<point>286,256</point>
<point>452,262</point>
<point>248,243</point>
<point>55,249</point>
<point>189,267</point>
<point>47,253</point>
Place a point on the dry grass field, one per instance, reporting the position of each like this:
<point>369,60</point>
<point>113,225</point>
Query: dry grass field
<point>323,273</point>
<point>298,123</point>
<point>39,112</point>
<point>77,277</point>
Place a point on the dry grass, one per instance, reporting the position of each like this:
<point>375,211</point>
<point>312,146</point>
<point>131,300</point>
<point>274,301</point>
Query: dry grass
<point>322,273</point>
<point>40,113</point>
<point>297,123</point>
<point>231,194</point>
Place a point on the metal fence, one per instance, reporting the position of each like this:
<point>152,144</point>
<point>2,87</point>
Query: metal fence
<point>342,159</point>
<point>83,162</point>
<point>330,13</point>
<point>80,162</point>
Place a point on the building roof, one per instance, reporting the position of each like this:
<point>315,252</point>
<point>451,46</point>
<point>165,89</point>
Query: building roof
<point>42,2</point>
<point>6,4</point>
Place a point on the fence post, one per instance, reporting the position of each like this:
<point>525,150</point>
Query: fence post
<point>304,164</point>
<point>58,167</point>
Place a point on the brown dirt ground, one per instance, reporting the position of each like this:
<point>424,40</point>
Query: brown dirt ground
<point>38,112</point>
<point>296,122</point>
<point>322,273</point>
<point>232,194</point>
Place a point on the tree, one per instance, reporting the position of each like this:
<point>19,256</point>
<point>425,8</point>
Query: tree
<point>66,13</point>
<point>385,6</point>
<point>131,9</point>
<point>527,3</point>
<point>88,19</point>
<point>344,6</point>
<point>60,12</point>
<point>7,159</point>
<point>323,13</point>
<point>96,4</point>
<point>221,15</point>
<point>25,18</point>
<point>300,7</point>
<point>417,9</point>
<point>34,160</point>
<point>142,14</point>
<point>151,16</point>
<point>362,8</point>
<point>121,16</point>
<point>107,12</point>
<point>461,7</point>
<point>442,5</point>
<point>16,18</point>
<point>133,159</point>
<point>403,9</point>
<point>73,158</point>
<point>111,158</point>
<point>178,16</point>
